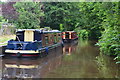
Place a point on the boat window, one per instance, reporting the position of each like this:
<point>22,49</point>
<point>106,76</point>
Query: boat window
<point>46,40</point>
<point>59,36</point>
<point>20,36</point>
<point>37,35</point>
<point>55,38</point>
<point>72,35</point>
<point>51,38</point>
<point>67,35</point>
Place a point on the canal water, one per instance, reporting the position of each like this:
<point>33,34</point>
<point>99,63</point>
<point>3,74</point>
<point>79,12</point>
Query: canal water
<point>75,60</point>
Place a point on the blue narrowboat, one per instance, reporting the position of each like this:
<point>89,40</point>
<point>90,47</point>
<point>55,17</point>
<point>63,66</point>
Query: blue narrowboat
<point>33,42</point>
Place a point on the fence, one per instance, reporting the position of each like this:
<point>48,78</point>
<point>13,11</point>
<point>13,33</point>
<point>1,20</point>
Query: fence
<point>7,29</point>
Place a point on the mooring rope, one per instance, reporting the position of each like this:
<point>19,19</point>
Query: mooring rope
<point>19,40</point>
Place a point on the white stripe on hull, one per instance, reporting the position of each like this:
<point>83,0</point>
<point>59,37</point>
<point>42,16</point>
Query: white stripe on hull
<point>21,66</point>
<point>21,51</point>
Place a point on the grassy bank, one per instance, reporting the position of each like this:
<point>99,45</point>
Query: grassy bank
<point>5,38</point>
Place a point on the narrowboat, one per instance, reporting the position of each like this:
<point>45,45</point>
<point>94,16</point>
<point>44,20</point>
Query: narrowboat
<point>33,42</point>
<point>69,36</point>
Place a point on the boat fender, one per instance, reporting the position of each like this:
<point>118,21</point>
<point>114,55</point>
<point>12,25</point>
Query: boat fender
<point>18,54</point>
<point>46,50</point>
<point>62,44</point>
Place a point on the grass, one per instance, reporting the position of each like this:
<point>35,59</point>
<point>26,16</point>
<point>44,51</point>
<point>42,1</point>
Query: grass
<point>5,38</point>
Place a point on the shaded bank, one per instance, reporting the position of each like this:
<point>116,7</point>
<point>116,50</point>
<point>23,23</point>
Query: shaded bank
<point>107,66</point>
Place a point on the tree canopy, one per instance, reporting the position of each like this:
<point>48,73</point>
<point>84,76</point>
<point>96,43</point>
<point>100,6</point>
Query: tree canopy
<point>29,13</point>
<point>60,14</point>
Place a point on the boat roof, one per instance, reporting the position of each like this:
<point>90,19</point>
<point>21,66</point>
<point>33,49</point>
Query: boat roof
<point>52,31</point>
<point>28,29</point>
<point>39,30</point>
<point>69,31</point>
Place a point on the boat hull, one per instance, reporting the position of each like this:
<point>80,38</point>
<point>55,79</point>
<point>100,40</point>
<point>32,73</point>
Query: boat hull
<point>69,40</point>
<point>30,53</point>
<point>26,55</point>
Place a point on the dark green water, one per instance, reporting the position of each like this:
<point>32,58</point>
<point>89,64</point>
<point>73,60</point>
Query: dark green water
<point>74,60</point>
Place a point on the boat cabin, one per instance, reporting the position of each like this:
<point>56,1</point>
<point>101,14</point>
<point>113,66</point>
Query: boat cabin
<point>69,35</point>
<point>28,35</point>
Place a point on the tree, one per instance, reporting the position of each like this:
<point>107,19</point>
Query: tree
<point>29,14</point>
<point>110,39</point>
<point>89,20</point>
<point>60,13</point>
<point>2,20</point>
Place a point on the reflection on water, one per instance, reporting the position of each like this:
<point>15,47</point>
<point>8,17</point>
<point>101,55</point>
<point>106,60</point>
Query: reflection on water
<point>107,67</point>
<point>69,48</point>
<point>84,63</point>
<point>31,68</point>
<point>74,60</point>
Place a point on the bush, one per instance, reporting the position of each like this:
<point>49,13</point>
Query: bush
<point>2,20</point>
<point>82,33</point>
<point>110,39</point>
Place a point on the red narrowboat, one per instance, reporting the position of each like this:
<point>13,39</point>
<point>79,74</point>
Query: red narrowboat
<point>69,36</point>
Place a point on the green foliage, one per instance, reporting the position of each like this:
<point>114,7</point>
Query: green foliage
<point>106,67</point>
<point>29,14</point>
<point>2,20</point>
<point>57,13</point>
<point>110,39</point>
<point>89,19</point>
<point>101,21</point>
<point>82,33</point>
<point>61,27</point>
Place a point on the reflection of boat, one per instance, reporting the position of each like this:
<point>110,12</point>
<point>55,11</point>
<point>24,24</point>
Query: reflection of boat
<point>69,48</point>
<point>32,42</point>
<point>20,66</point>
<point>69,36</point>
<point>13,69</point>
<point>27,68</point>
